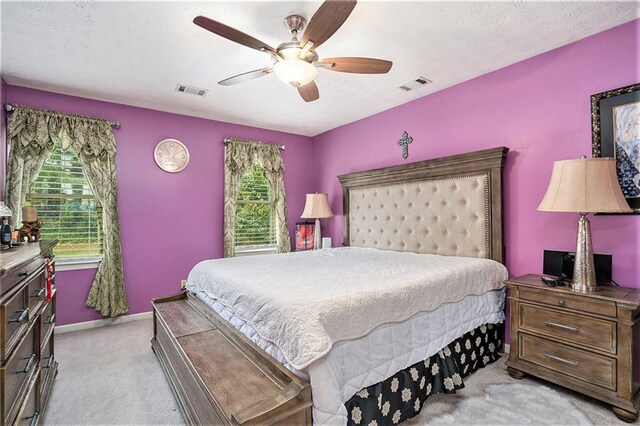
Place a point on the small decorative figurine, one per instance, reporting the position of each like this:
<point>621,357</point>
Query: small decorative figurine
<point>31,230</point>
<point>30,224</point>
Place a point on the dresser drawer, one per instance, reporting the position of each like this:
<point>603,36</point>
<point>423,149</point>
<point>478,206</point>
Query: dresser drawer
<point>592,368</point>
<point>566,300</point>
<point>37,289</point>
<point>581,330</point>
<point>28,414</point>
<point>47,363</point>
<point>14,314</point>
<point>16,275</point>
<point>17,371</point>
<point>48,318</point>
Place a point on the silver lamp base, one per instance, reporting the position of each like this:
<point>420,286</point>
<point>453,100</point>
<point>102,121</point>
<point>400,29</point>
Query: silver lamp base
<point>584,273</point>
<point>317,236</point>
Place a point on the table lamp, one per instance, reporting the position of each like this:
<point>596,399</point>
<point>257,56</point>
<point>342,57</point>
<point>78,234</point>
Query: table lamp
<point>317,207</point>
<point>585,185</point>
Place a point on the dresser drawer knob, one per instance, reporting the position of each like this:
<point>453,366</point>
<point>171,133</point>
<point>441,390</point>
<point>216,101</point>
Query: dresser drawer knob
<point>575,329</point>
<point>24,315</point>
<point>39,293</point>
<point>50,319</point>
<point>34,419</point>
<point>562,360</point>
<point>23,274</point>
<point>560,302</point>
<point>27,368</point>
<point>49,362</point>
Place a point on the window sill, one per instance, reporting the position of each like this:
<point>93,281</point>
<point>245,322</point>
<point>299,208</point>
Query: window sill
<point>78,263</point>
<point>255,251</point>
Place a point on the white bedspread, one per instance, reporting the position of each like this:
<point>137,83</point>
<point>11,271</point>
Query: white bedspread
<point>352,365</point>
<point>305,302</point>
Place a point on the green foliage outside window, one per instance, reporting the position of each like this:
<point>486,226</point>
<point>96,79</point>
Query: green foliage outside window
<point>254,218</point>
<point>66,206</point>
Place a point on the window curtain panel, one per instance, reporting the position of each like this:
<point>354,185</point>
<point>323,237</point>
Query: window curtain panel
<point>240,157</point>
<point>31,134</point>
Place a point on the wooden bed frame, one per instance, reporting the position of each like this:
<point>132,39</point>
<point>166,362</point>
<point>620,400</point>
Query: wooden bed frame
<point>219,376</point>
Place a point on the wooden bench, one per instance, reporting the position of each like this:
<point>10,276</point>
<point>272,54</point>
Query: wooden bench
<point>217,375</point>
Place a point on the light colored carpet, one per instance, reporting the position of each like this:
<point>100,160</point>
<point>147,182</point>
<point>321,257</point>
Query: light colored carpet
<point>109,375</point>
<point>515,404</point>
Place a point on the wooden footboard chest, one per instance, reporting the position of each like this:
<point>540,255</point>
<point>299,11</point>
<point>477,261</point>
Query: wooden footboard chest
<point>217,375</point>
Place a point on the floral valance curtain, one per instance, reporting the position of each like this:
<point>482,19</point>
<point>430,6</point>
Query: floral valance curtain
<point>240,157</point>
<point>31,134</point>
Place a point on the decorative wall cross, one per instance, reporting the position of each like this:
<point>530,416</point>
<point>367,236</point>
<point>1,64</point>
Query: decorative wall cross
<point>404,142</point>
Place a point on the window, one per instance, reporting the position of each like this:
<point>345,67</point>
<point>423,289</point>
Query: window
<point>255,222</point>
<point>66,206</point>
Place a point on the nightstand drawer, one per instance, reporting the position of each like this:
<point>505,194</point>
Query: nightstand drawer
<point>564,299</point>
<point>581,330</point>
<point>596,369</point>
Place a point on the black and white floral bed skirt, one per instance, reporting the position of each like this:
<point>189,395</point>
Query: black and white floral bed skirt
<point>401,396</point>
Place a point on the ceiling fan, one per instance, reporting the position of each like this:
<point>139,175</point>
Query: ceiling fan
<point>296,62</point>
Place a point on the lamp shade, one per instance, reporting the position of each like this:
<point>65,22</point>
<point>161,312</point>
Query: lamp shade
<point>585,185</point>
<point>4,210</point>
<point>317,207</point>
<point>295,72</point>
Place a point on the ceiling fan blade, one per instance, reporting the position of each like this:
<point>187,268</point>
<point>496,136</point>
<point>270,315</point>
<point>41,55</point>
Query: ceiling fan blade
<point>326,21</point>
<point>241,78</point>
<point>231,34</point>
<point>357,65</point>
<point>309,92</point>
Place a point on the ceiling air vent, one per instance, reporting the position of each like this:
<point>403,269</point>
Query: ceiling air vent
<point>414,84</point>
<point>191,90</point>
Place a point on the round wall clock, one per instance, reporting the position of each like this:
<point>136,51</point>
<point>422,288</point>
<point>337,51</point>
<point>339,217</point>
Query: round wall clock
<point>171,155</point>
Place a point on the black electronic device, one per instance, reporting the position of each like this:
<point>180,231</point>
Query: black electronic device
<point>560,264</point>
<point>550,282</point>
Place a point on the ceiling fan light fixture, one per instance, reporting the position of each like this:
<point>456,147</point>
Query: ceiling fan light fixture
<point>291,53</point>
<point>295,72</point>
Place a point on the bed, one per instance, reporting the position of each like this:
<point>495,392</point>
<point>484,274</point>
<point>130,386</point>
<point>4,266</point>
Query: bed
<point>410,233</point>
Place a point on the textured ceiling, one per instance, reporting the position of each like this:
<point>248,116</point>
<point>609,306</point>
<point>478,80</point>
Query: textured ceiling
<point>136,52</point>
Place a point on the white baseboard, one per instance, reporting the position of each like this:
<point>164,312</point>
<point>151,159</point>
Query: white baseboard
<point>102,322</point>
<point>507,347</point>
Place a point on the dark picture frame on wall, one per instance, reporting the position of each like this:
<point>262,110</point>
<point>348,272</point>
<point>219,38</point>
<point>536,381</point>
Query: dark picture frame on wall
<point>615,132</point>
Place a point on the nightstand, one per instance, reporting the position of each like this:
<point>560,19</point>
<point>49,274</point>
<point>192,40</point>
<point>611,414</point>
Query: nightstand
<point>587,342</point>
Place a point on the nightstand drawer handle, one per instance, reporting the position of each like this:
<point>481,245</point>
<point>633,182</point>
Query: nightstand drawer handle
<point>565,361</point>
<point>560,302</point>
<point>562,326</point>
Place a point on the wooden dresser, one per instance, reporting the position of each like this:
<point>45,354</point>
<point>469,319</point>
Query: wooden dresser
<point>26,332</point>
<point>588,342</point>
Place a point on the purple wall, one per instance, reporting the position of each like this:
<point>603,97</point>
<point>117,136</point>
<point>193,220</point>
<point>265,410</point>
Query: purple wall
<point>3,137</point>
<point>540,108</point>
<point>168,221</point>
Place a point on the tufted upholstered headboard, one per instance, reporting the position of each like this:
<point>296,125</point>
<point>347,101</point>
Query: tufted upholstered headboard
<point>449,205</point>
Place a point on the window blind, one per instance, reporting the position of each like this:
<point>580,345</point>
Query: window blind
<point>255,224</point>
<point>66,206</point>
